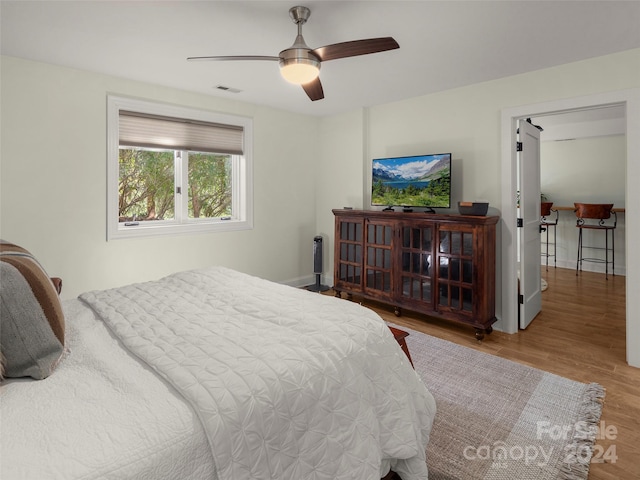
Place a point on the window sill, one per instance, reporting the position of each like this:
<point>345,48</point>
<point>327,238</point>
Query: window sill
<point>153,230</point>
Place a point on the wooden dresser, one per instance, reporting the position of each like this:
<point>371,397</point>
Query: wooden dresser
<point>439,265</point>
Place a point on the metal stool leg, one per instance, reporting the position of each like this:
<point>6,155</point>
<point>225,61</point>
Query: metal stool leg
<point>579,249</point>
<point>545,227</point>
<point>547,253</point>
<point>613,253</point>
<point>606,254</point>
<point>555,248</point>
<point>546,231</point>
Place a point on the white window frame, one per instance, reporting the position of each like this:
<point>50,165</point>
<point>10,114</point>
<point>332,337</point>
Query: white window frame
<point>242,174</point>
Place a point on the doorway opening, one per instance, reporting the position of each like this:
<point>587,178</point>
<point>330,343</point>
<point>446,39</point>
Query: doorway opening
<point>582,159</point>
<point>631,101</point>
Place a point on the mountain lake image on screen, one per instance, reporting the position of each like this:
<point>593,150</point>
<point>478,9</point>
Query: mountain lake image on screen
<point>412,181</point>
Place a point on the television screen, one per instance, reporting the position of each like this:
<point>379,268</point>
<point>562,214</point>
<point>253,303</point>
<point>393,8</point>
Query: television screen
<point>415,181</point>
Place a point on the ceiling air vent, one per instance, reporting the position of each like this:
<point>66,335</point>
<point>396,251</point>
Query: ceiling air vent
<point>227,89</point>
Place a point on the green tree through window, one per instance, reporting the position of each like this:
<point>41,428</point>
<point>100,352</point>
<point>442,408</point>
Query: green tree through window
<point>209,185</point>
<point>147,184</point>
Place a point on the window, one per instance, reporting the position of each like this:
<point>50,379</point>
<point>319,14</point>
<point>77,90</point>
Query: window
<point>176,170</point>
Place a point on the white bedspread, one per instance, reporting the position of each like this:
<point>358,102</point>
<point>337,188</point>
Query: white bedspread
<point>288,384</point>
<point>101,415</point>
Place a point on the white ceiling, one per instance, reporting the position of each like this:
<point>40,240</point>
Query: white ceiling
<point>443,44</point>
<point>593,122</point>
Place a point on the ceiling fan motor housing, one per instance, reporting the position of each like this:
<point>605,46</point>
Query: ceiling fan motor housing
<point>298,55</point>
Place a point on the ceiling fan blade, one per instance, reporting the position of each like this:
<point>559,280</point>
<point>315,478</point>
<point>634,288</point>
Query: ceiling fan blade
<point>314,89</point>
<point>236,57</point>
<point>355,48</point>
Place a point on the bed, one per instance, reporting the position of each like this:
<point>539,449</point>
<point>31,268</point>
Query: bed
<point>215,374</point>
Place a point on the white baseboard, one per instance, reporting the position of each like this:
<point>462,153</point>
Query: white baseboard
<point>586,266</point>
<point>308,280</point>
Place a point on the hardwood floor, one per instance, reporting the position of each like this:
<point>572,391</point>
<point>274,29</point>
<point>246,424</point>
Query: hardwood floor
<point>579,334</point>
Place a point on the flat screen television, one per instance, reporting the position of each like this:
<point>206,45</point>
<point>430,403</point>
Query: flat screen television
<point>413,181</point>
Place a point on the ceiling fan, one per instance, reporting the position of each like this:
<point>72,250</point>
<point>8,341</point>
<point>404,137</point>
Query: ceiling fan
<point>300,64</point>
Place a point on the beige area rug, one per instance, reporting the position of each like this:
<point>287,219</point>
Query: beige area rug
<point>500,420</point>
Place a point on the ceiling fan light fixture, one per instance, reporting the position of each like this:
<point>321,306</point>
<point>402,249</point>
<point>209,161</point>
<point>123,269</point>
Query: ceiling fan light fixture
<point>298,66</point>
<point>299,73</point>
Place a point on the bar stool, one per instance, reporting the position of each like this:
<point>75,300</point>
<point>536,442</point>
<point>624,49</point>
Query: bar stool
<point>596,216</point>
<point>546,224</point>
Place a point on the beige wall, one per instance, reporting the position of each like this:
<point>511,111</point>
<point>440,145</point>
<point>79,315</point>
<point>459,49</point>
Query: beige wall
<point>53,184</point>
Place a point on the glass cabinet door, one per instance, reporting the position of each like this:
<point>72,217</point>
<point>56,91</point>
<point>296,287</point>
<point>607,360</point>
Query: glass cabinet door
<point>349,265</point>
<point>378,257</point>
<point>455,270</point>
<point>416,262</point>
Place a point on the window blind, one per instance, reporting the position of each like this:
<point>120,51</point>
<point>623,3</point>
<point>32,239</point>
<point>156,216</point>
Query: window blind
<point>155,131</point>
